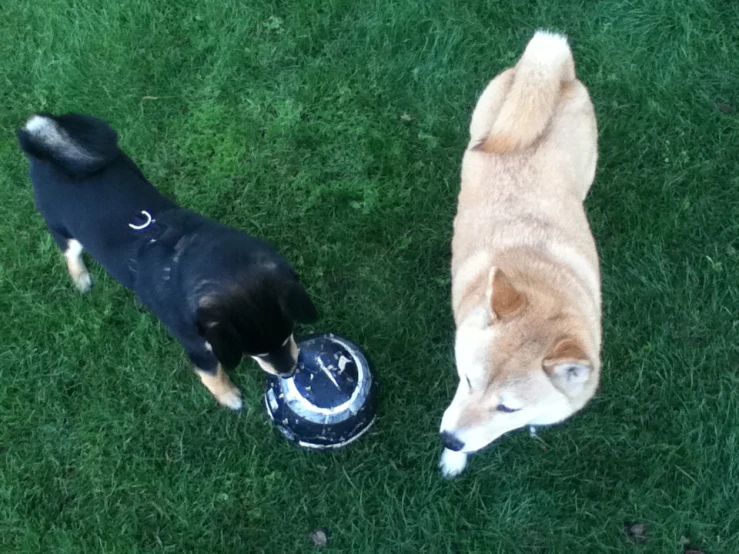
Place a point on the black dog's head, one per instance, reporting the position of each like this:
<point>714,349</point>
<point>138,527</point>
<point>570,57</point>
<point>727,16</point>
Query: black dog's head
<point>254,313</point>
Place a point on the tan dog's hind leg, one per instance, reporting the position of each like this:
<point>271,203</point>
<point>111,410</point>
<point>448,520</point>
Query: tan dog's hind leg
<point>221,387</point>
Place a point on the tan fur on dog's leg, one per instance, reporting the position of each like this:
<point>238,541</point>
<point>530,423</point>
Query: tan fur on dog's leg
<point>76,267</point>
<point>221,387</point>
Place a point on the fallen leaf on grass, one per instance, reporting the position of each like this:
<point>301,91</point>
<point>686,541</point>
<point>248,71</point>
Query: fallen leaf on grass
<point>724,108</point>
<point>687,549</point>
<point>319,537</point>
<point>636,532</point>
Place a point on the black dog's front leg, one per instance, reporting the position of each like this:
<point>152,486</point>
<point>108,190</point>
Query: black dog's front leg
<point>72,250</point>
<point>215,379</point>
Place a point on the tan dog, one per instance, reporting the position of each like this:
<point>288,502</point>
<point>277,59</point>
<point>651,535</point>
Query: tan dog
<point>525,276</point>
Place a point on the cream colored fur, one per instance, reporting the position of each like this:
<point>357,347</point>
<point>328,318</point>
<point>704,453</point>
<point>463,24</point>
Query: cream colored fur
<point>525,272</point>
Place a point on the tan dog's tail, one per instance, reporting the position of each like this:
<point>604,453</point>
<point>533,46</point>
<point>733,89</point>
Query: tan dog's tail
<point>534,92</point>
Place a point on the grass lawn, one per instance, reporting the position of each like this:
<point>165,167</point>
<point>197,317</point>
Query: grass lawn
<point>335,129</point>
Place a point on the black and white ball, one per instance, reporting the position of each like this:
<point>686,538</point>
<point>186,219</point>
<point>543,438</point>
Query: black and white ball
<point>330,401</point>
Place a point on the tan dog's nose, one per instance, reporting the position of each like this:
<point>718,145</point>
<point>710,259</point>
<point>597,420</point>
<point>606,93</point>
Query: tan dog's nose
<point>451,442</point>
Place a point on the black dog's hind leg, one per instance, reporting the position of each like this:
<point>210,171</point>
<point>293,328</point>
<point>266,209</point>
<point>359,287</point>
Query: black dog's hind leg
<point>215,379</point>
<point>72,251</point>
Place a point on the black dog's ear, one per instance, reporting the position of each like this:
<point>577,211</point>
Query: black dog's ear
<point>297,305</point>
<point>225,341</point>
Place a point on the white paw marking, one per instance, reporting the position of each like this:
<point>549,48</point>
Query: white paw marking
<point>452,463</point>
<point>231,399</point>
<point>83,282</point>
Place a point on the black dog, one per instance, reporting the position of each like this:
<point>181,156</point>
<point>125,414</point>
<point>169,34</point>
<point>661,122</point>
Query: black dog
<point>220,292</point>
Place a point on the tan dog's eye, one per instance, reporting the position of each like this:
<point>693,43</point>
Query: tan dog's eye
<point>506,409</point>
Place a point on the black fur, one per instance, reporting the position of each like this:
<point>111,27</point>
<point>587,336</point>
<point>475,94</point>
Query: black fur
<point>205,281</point>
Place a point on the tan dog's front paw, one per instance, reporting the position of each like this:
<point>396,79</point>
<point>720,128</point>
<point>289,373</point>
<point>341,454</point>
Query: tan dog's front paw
<point>452,463</point>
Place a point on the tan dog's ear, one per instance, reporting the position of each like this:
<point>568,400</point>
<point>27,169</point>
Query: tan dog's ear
<point>568,365</point>
<point>504,301</point>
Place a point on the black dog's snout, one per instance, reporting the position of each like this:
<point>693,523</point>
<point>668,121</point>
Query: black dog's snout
<point>283,363</point>
<point>451,442</point>
<point>290,373</point>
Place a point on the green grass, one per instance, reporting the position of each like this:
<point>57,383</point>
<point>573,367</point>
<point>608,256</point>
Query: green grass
<point>284,119</point>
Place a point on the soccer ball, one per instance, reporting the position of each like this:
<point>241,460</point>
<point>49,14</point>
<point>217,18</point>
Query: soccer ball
<point>330,401</point>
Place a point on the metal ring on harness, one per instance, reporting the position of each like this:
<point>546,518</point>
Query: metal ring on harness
<point>149,221</point>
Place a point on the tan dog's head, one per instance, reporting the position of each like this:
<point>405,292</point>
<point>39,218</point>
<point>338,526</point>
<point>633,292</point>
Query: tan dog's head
<point>525,356</point>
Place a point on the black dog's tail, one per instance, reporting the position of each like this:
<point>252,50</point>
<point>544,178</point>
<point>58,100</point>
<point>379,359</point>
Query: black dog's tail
<point>76,144</point>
